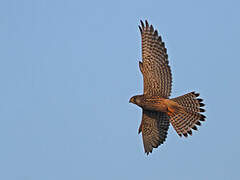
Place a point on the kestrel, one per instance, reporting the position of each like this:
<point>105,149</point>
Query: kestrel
<point>158,111</point>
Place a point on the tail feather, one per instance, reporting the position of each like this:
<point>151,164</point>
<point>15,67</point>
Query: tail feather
<point>191,116</point>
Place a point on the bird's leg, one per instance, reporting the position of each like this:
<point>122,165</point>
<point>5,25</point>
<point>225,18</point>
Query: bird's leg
<point>170,111</point>
<point>173,108</point>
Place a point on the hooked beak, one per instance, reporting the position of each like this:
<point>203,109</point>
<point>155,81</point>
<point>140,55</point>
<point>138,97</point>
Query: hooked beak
<point>131,100</point>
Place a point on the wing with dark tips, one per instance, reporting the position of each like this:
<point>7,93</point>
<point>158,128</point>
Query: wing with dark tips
<point>154,128</point>
<point>156,71</point>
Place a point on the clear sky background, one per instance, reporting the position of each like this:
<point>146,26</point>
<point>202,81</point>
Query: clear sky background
<point>68,69</point>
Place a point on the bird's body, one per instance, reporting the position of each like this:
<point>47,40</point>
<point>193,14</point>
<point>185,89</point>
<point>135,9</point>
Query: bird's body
<point>156,103</point>
<point>184,112</point>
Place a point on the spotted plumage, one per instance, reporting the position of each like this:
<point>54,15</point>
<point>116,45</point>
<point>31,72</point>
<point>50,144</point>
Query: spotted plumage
<point>183,112</point>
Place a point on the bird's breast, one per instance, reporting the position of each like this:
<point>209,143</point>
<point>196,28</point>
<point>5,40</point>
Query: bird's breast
<point>155,104</point>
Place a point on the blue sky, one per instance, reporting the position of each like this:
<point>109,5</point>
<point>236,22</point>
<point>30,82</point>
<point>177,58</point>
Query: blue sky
<point>68,69</point>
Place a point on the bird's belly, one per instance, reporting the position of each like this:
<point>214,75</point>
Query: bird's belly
<point>161,106</point>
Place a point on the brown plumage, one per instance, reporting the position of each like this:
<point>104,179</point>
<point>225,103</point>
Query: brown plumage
<point>183,112</point>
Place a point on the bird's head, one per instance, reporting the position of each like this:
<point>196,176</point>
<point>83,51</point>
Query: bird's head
<point>136,100</point>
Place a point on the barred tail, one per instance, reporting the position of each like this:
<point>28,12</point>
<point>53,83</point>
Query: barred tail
<point>186,120</point>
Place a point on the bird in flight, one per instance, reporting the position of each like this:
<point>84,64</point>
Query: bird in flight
<point>158,110</point>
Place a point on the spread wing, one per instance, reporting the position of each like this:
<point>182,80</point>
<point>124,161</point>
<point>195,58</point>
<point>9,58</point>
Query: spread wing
<point>154,128</point>
<point>156,71</point>
<point>157,81</point>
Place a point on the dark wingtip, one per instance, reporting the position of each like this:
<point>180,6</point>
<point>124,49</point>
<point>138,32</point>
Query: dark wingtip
<point>190,132</point>
<point>194,128</point>
<point>200,100</point>
<point>201,104</point>
<point>156,33</point>
<point>147,152</point>
<point>196,94</point>
<point>185,134</point>
<point>141,66</point>
<point>140,29</point>
<point>151,28</point>
<point>165,49</point>
<point>180,135</point>
<point>202,110</point>
<point>202,117</point>
<point>159,38</point>
<point>147,25</point>
<point>142,24</point>
<point>198,123</point>
<point>140,127</point>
